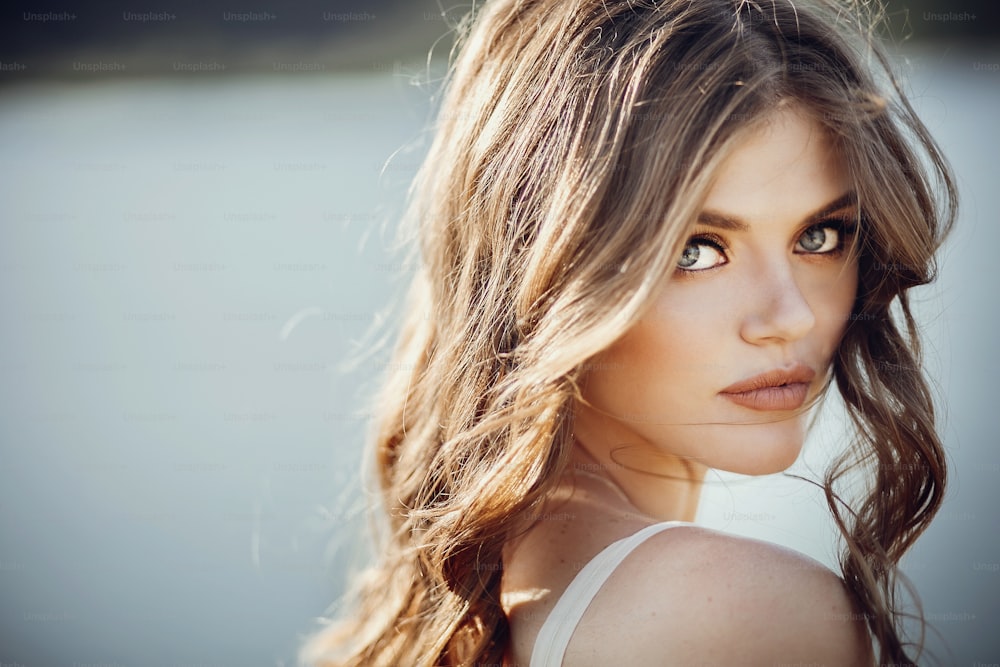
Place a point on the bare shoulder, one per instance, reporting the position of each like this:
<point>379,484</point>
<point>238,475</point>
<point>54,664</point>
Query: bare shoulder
<point>696,596</point>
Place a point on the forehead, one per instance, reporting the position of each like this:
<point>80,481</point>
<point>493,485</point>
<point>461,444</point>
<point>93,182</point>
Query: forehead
<point>780,169</point>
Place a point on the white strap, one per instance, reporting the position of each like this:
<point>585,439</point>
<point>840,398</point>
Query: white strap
<point>558,628</point>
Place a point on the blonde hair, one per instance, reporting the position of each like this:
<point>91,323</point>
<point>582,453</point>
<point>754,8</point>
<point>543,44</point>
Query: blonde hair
<point>574,144</point>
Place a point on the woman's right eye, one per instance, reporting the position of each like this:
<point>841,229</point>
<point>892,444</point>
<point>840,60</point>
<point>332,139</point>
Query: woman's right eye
<point>701,253</point>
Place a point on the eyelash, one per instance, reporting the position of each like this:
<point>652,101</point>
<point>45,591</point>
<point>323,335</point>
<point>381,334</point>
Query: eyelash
<point>844,229</point>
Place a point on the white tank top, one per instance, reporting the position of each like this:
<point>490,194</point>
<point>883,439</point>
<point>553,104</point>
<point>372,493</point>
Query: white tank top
<point>554,636</point>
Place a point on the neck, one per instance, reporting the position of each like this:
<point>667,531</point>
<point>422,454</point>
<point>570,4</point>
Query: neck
<point>659,485</point>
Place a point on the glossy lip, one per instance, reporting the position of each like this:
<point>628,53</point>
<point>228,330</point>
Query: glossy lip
<point>778,389</point>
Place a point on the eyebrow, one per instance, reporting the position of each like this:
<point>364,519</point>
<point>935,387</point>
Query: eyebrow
<point>735,224</point>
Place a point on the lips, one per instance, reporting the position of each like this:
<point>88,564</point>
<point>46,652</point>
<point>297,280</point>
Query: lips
<point>778,389</point>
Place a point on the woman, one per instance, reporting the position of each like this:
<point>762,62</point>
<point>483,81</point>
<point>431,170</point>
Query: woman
<point>651,236</point>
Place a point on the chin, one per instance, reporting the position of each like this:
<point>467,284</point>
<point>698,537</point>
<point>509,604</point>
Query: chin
<point>767,458</point>
<point>759,469</point>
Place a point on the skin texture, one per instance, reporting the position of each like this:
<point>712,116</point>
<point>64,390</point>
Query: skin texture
<point>764,303</point>
<point>691,595</point>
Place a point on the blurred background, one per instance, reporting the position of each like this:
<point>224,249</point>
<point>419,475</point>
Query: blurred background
<point>197,205</point>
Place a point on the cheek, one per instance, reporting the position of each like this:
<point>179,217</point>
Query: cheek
<point>834,299</point>
<point>686,329</point>
<point>672,350</point>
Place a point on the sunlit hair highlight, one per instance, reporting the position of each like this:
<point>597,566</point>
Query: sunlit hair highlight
<point>575,143</point>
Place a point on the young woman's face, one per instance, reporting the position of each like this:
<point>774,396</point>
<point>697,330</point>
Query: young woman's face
<point>764,283</point>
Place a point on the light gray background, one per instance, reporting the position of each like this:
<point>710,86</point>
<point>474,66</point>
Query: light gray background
<point>187,269</point>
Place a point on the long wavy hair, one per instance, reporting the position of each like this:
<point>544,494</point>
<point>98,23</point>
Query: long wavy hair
<point>574,144</point>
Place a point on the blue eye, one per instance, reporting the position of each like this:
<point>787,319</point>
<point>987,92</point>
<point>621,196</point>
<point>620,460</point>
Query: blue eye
<point>819,239</point>
<point>701,253</point>
<point>825,238</point>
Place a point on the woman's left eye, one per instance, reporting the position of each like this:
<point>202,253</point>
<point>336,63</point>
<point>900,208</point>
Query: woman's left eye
<point>823,238</point>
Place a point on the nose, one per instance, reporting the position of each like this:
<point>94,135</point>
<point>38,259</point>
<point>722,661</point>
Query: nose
<point>776,309</point>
